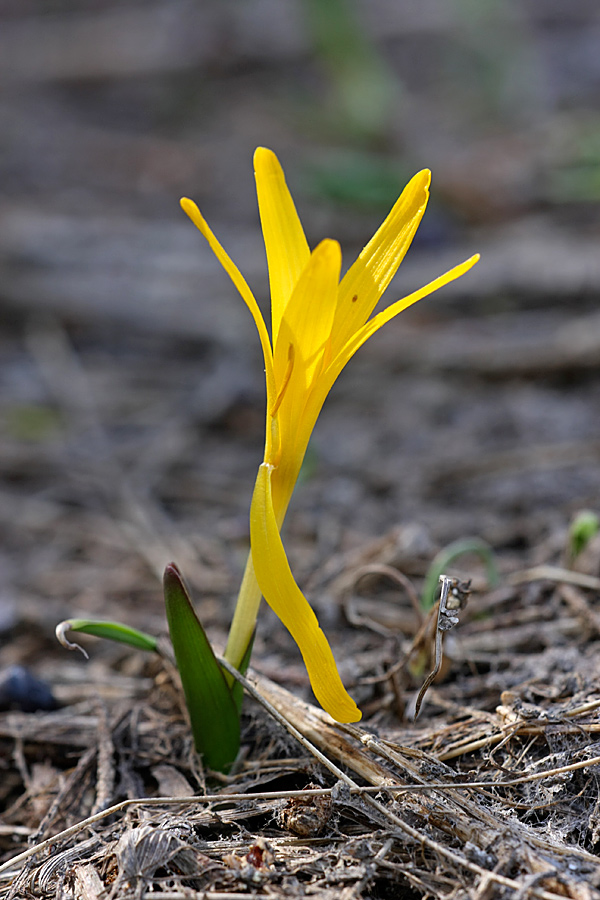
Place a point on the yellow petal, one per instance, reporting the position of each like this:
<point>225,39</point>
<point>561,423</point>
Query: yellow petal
<point>306,325</point>
<point>288,602</point>
<point>324,384</point>
<point>298,363</point>
<point>365,282</point>
<point>285,243</point>
<point>190,208</point>
<point>378,321</point>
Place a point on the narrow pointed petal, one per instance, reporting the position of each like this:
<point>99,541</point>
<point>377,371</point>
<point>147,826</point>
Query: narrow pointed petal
<point>286,599</point>
<point>378,321</point>
<point>191,210</point>
<point>365,282</point>
<point>306,325</point>
<point>285,243</point>
<point>298,363</point>
<point>326,381</point>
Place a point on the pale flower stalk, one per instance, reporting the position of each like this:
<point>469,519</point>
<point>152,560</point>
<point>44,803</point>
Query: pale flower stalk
<point>317,324</point>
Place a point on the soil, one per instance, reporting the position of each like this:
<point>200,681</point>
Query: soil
<point>132,406</point>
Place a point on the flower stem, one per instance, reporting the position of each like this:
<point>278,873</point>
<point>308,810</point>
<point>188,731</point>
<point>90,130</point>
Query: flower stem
<point>244,617</point>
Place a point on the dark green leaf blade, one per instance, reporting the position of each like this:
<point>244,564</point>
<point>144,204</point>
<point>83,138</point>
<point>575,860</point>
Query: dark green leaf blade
<point>213,713</point>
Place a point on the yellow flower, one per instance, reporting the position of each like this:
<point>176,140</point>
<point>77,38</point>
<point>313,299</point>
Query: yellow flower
<point>317,324</point>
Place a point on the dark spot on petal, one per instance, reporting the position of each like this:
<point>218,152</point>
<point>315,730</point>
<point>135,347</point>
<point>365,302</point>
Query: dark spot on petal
<point>355,298</point>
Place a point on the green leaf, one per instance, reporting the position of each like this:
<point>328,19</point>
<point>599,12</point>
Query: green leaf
<point>213,712</point>
<point>447,555</point>
<point>113,631</point>
<point>583,528</point>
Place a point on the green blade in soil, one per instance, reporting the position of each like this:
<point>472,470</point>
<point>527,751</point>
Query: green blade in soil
<point>447,555</point>
<point>213,713</point>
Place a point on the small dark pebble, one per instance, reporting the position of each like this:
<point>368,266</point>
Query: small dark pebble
<point>20,690</point>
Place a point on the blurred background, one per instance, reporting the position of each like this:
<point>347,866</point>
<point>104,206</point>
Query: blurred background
<point>131,401</point>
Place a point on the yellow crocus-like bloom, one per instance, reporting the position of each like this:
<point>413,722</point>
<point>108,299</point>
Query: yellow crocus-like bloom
<point>317,324</point>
